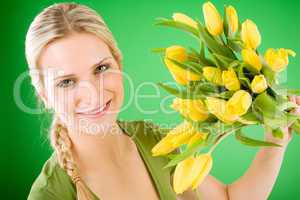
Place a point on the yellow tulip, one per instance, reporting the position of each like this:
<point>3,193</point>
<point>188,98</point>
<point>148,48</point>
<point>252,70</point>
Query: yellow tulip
<point>191,171</point>
<point>213,75</point>
<point>250,57</point>
<point>233,20</point>
<point>213,19</point>
<point>230,80</point>
<point>174,138</point>
<point>180,17</point>
<point>239,103</point>
<point>196,137</point>
<point>250,34</point>
<point>163,147</point>
<point>259,84</point>
<point>205,166</point>
<point>180,75</point>
<point>193,109</point>
<point>277,60</point>
<point>218,108</point>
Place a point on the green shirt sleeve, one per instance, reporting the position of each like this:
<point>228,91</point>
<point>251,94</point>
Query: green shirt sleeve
<point>41,193</point>
<point>52,183</point>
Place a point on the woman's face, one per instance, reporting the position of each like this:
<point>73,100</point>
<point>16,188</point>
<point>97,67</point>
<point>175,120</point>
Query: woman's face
<point>83,82</point>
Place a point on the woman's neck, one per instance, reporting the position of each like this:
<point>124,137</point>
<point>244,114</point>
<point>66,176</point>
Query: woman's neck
<point>108,149</point>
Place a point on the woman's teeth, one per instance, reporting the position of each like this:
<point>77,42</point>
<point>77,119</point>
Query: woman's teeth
<point>98,110</point>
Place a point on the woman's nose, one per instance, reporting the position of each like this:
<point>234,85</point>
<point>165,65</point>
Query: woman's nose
<point>88,94</point>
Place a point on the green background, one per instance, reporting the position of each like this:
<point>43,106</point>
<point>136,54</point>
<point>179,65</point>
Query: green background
<point>24,145</point>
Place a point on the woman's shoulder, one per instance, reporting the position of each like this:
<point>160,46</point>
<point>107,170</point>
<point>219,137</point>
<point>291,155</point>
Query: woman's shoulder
<point>52,183</point>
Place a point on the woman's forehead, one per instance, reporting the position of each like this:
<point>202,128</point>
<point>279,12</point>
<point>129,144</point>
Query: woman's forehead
<point>78,49</point>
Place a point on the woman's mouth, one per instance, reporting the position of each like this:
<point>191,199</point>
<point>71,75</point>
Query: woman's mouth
<point>98,112</point>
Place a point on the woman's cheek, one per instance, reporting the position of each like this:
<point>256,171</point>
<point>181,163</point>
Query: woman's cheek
<point>65,105</point>
<point>113,83</point>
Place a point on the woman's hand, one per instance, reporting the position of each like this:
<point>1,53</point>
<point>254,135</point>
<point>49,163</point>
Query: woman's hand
<point>287,136</point>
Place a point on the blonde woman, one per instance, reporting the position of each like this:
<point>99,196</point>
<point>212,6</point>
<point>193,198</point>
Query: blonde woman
<point>76,66</point>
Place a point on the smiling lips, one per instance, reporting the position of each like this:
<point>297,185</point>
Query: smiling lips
<point>96,112</point>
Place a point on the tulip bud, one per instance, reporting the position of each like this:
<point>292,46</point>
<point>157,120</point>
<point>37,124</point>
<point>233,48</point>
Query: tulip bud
<point>180,17</point>
<point>191,172</point>
<point>277,60</point>
<point>250,57</point>
<point>213,19</point>
<point>196,137</point>
<point>250,34</point>
<point>239,103</point>
<point>180,75</point>
<point>206,163</point>
<point>230,80</point>
<point>259,84</point>
<point>218,108</point>
<point>174,138</point>
<point>193,109</point>
<point>213,75</point>
<point>233,20</point>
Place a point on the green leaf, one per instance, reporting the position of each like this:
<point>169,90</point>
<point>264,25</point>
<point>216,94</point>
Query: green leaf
<point>248,118</point>
<point>206,61</point>
<point>223,59</point>
<point>265,104</point>
<point>269,74</point>
<point>272,115</point>
<point>178,25</point>
<point>196,65</point>
<point>184,94</point>
<point>252,142</point>
<point>206,87</point>
<point>234,64</point>
<point>212,44</point>
<point>171,156</point>
<point>186,66</point>
<point>235,45</point>
<point>201,56</point>
<point>225,24</point>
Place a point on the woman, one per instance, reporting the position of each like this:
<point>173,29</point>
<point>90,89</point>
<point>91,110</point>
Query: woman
<point>76,66</point>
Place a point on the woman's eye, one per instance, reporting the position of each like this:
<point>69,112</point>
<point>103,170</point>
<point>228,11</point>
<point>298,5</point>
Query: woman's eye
<point>101,68</point>
<point>66,83</point>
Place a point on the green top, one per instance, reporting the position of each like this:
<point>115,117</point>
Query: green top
<point>54,183</point>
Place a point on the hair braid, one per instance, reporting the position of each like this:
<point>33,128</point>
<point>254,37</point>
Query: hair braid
<point>62,145</point>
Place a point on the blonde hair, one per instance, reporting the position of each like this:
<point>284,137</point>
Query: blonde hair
<point>57,21</point>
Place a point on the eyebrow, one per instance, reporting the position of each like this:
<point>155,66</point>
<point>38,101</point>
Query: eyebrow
<point>93,66</point>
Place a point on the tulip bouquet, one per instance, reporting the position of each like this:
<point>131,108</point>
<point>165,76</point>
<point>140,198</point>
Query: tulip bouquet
<point>222,87</point>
